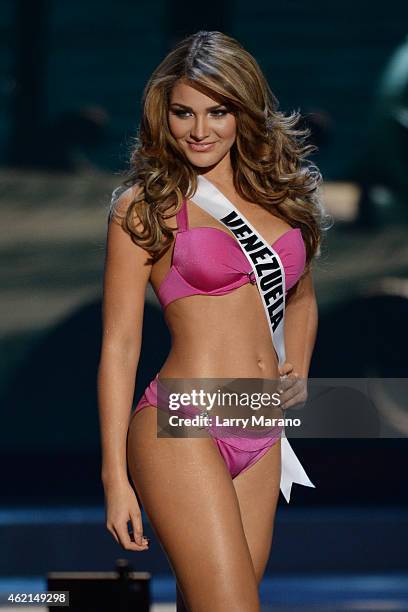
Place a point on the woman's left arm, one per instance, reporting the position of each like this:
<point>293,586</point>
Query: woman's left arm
<point>301,317</point>
<point>301,325</point>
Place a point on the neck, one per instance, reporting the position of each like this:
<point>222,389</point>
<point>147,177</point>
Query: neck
<point>221,174</point>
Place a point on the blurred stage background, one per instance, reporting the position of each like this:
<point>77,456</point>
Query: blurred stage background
<point>71,80</point>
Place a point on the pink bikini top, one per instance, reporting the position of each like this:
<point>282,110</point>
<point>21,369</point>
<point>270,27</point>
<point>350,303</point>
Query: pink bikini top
<point>208,261</point>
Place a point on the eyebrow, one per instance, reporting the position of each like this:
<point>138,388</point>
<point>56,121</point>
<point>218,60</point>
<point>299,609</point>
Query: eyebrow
<point>209,108</point>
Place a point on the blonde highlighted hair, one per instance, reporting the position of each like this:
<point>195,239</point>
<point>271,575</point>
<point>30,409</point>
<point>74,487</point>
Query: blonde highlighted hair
<point>268,156</point>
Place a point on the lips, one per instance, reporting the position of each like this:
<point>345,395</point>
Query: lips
<point>196,146</point>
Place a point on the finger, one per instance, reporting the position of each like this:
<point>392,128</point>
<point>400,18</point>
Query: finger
<point>296,403</point>
<point>297,396</point>
<point>137,530</point>
<point>287,383</point>
<point>113,532</point>
<point>124,538</point>
<point>286,368</point>
<point>291,392</point>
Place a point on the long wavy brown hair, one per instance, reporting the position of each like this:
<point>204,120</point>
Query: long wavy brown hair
<point>268,156</point>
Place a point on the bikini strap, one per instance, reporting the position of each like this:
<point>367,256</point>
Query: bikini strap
<point>182,217</point>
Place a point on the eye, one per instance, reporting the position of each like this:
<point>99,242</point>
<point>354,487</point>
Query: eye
<point>180,113</point>
<point>184,113</point>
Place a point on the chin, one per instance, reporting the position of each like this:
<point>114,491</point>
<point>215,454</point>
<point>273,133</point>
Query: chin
<point>201,160</point>
<point>202,163</point>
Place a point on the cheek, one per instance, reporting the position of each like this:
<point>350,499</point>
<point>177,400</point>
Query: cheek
<point>228,129</point>
<point>177,127</point>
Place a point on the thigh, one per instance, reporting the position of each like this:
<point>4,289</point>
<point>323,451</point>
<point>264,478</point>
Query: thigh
<point>257,490</point>
<point>190,500</point>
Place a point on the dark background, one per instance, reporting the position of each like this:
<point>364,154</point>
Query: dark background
<point>71,80</point>
<point>72,75</point>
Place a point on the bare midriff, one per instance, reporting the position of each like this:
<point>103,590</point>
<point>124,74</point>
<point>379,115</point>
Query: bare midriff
<point>224,336</point>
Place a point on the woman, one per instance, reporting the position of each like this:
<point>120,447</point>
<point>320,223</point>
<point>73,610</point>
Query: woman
<point>207,112</point>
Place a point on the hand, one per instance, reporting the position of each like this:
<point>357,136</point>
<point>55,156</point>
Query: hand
<point>121,506</point>
<point>285,369</point>
<point>293,388</point>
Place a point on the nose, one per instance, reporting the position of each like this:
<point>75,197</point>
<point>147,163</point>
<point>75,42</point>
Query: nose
<point>200,128</point>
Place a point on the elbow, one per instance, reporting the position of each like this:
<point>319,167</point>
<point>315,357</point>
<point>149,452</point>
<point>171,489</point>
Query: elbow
<point>122,346</point>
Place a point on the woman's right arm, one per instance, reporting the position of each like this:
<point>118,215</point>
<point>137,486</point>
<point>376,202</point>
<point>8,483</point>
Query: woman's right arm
<point>126,275</point>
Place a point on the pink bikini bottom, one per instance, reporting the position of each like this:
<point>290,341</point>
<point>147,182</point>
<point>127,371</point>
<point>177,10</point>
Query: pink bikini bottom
<point>238,452</point>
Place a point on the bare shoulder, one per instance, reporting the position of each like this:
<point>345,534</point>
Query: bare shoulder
<point>120,205</point>
<point>123,253</point>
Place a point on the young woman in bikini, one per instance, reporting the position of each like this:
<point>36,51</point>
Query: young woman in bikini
<point>207,111</point>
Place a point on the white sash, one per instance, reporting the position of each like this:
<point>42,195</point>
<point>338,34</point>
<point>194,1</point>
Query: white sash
<point>270,279</point>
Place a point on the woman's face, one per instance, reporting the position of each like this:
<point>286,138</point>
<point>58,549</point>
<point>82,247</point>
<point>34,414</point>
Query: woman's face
<point>203,128</point>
